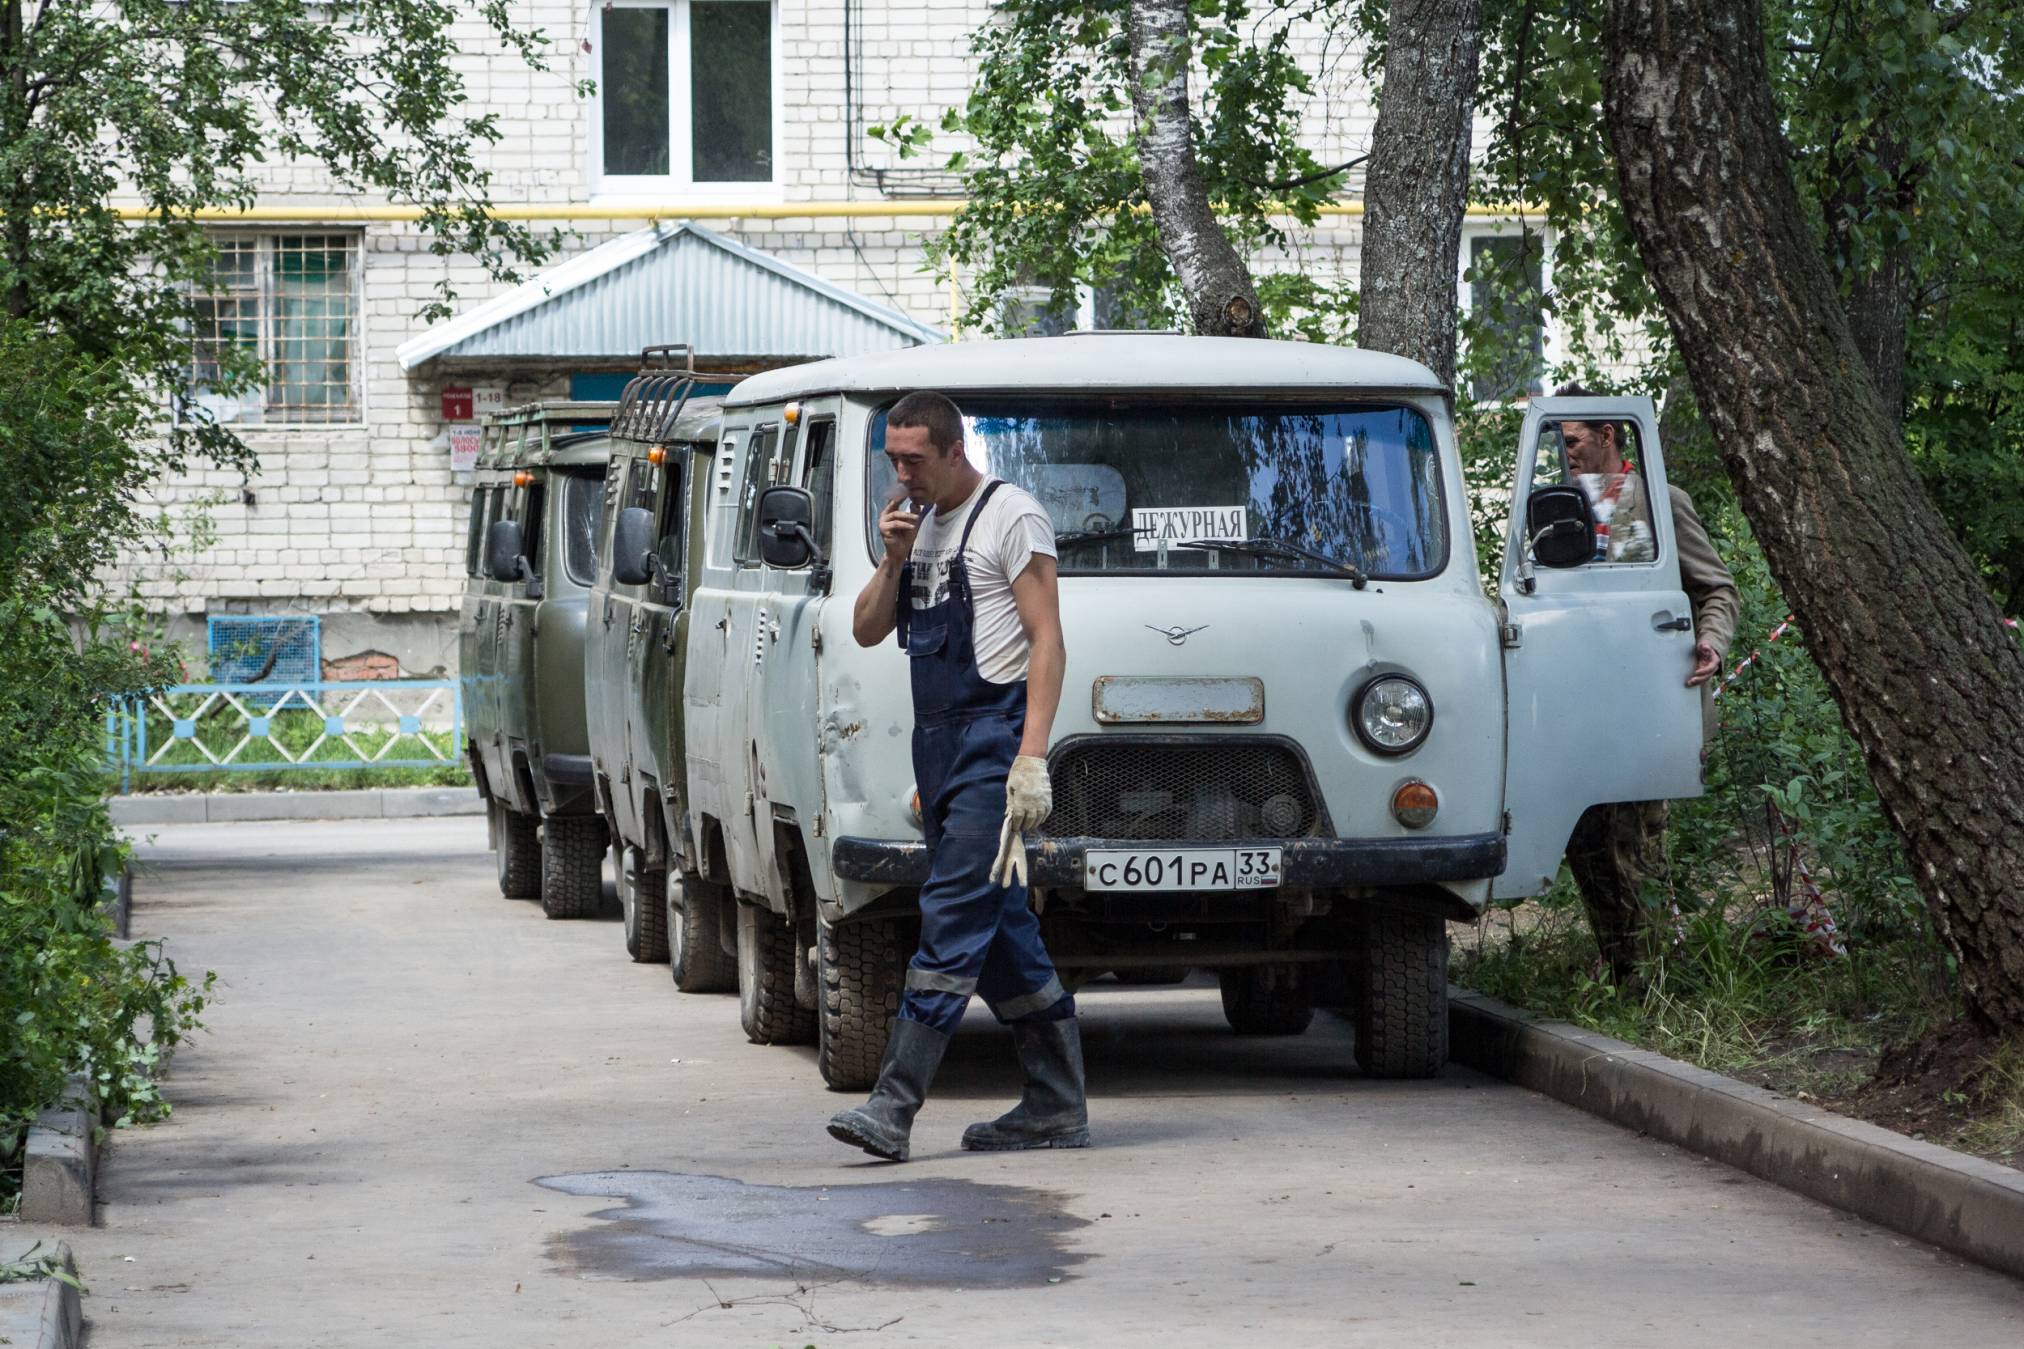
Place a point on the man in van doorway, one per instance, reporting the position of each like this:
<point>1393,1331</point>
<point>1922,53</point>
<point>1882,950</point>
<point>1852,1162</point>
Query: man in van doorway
<point>1617,846</point>
<point>968,580</point>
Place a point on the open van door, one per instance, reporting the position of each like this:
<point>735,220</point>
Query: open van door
<point>1597,650</point>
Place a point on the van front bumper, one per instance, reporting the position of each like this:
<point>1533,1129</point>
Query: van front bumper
<point>1305,863</point>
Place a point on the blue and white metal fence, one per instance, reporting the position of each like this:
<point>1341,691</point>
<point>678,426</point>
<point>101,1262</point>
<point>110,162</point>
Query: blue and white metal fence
<point>279,726</point>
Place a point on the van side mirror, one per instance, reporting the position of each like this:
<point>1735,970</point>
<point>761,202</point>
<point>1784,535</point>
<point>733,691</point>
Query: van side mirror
<point>632,547</point>
<point>505,552</point>
<point>1560,525</point>
<point>786,528</point>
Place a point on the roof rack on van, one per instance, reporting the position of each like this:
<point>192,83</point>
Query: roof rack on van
<point>526,434</point>
<point>654,398</point>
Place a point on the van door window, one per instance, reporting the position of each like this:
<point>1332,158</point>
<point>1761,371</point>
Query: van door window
<point>474,540</point>
<point>1603,459</point>
<point>581,493</point>
<point>759,453</point>
<point>668,541</point>
<point>819,476</point>
<point>530,522</point>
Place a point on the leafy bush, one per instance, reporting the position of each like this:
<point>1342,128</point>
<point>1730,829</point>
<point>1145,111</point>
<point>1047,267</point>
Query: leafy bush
<point>71,999</point>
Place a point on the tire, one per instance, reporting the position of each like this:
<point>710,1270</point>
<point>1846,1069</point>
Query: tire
<point>766,1005</point>
<point>1266,999</point>
<point>1151,976</point>
<point>643,900</point>
<point>1402,998</point>
<point>572,866</point>
<point>696,911</point>
<point>863,974</point>
<point>516,846</point>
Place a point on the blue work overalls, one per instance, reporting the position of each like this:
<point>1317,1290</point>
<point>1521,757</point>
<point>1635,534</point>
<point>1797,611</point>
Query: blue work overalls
<point>976,937</point>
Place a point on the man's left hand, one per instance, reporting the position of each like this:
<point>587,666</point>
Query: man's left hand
<point>1707,664</point>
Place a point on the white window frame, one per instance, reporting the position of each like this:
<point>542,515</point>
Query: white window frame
<point>679,181</point>
<point>1492,227</point>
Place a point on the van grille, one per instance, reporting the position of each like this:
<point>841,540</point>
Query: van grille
<point>1222,788</point>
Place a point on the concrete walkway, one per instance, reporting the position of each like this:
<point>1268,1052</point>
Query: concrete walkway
<point>425,1115</point>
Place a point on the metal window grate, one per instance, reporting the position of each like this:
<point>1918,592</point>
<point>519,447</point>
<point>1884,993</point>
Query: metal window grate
<point>1223,787</point>
<point>290,300</point>
<point>278,649</point>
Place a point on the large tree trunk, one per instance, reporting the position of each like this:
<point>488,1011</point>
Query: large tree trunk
<point>1221,299</point>
<point>1418,182</point>
<point>1928,682</point>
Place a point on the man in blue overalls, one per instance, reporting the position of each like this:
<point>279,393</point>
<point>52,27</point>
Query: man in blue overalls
<point>970,586</point>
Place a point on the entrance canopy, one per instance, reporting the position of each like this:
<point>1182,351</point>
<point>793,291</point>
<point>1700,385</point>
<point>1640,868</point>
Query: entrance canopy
<point>740,309</point>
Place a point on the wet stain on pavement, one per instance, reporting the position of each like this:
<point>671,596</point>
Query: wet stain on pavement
<point>919,1233</point>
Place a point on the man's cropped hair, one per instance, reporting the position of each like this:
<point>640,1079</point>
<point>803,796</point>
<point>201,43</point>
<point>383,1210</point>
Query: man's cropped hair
<point>931,412</point>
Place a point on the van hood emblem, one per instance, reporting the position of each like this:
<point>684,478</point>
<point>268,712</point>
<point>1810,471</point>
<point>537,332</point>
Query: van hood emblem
<point>1176,635</point>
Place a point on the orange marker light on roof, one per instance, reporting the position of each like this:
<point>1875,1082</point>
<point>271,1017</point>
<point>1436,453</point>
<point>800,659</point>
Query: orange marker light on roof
<point>658,455</point>
<point>523,478</point>
<point>792,414</point>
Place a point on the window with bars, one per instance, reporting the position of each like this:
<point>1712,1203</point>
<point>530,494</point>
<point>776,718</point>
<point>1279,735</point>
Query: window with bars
<point>292,301</point>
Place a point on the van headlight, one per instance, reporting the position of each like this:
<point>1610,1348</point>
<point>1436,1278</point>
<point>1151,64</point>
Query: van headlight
<point>1393,714</point>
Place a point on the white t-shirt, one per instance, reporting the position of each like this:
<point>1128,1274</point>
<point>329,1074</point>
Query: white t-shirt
<point>1011,530</point>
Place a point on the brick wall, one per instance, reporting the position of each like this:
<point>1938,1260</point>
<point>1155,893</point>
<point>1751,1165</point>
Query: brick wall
<point>366,519</point>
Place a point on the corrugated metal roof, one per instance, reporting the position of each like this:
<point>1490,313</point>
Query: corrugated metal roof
<point>671,283</point>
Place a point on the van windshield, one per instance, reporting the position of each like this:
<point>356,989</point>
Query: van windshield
<point>1149,486</point>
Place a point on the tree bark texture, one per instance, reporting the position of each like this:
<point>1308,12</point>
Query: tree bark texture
<point>1221,299</point>
<point>1877,296</point>
<point>1929,683</point>
<point>1418,182</point>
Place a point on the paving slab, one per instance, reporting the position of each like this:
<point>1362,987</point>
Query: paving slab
<point>425,1114</point>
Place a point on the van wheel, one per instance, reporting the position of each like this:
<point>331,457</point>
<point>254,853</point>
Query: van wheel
<point>696,911</point>
<point>1402,1003</point>
<point>643,897</point>
<point>1151,976</point>
<point>766,1005</point>
<point>863,971</point>
<point>516,847</point>
<point>1266,999</point>
<point>572,865</point>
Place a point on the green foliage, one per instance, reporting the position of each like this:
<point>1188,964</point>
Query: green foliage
<point>1903,119</point>
<point>1056,197</point>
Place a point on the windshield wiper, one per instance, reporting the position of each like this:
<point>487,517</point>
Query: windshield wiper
<point>1262,546</point>
<point>1084,536</point>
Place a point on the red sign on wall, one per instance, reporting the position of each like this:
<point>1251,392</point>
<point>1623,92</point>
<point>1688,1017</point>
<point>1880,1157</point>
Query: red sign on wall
<point>459,405</point>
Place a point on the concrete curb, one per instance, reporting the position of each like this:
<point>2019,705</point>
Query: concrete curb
<point>1962,1204</point>
<point>43,1313</point>
<point>61,1162</point>
<point>376,803</point>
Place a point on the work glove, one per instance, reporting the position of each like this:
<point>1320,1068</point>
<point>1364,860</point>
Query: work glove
<point>1029,800</point>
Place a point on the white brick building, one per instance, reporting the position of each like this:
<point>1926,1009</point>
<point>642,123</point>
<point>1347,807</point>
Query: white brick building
<point>354,514</point>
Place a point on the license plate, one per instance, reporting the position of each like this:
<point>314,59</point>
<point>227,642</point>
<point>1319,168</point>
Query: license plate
<point>1180,869</point>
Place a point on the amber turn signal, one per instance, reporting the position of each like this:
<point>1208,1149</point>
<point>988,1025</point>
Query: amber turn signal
<point>792,414</point>
<point>523,479</point>
<point>658,455</point>
<point>1414,803</point>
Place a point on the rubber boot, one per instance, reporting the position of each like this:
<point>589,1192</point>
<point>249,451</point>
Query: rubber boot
<point>1053,1112</point>
<point>881,1126</point>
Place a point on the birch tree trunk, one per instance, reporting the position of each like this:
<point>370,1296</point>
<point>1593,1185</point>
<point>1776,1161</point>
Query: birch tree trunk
<point>1418,182</point>
<point>1928,682</point>
<point>1222,301</point>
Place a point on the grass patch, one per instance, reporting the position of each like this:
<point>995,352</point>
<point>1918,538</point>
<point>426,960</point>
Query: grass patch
<point>1875,1034</point>
<point>292,733</point>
